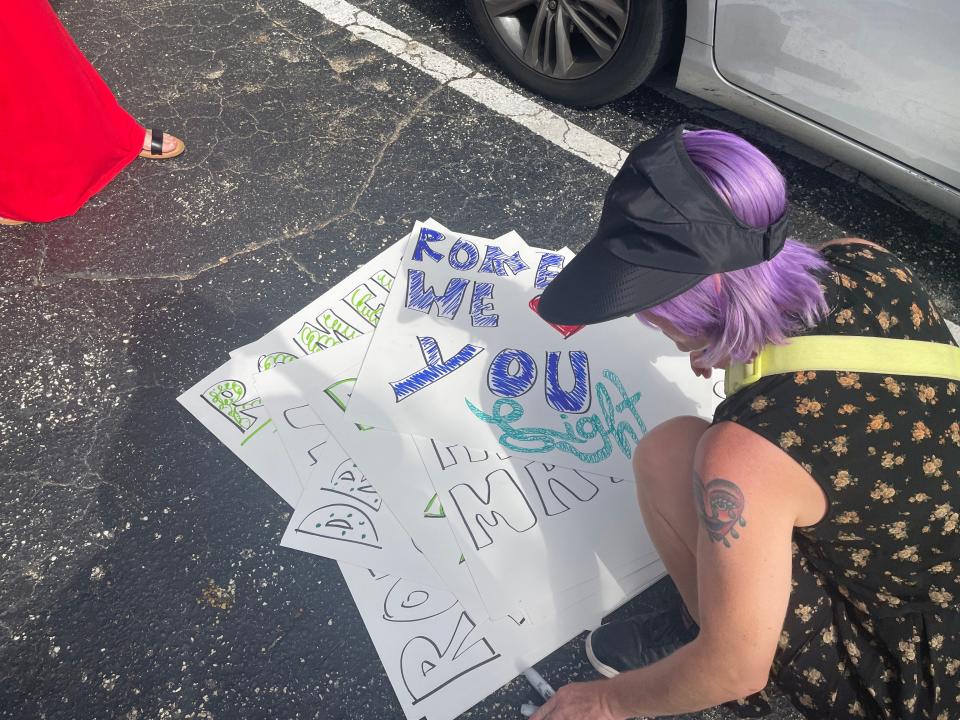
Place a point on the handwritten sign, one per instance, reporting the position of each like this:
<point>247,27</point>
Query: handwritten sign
<point>486,521</point>
<point>226,401</point>
<point>493,526</point>
<point>298,428</point>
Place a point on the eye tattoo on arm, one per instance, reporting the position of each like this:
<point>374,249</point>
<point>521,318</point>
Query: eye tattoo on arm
<point>720,506</point>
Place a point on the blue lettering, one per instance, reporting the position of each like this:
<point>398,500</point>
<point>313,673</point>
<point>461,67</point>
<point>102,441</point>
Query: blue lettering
<point>550,266</point>
<point>576,400</point>
<point>512,373</point>
<point>479,308</point>
<point>463,246</point>
<point>496,261</point>
<point>436,367</point>
<point>426,237</point>
<point>423,299</point>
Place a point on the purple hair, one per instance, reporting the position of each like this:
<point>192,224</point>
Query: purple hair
<point>740,311</point>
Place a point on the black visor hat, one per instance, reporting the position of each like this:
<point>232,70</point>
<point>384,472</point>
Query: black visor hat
<point>662,230</point>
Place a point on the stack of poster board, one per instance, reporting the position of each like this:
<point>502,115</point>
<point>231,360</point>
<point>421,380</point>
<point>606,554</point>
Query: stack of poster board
<point>466,463</point>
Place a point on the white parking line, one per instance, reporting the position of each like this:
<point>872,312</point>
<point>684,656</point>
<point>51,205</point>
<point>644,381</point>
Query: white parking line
<point>475,85</point>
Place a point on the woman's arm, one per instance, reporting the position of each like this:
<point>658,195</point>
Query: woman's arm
<point>747,508</point>
<point>747,514</point>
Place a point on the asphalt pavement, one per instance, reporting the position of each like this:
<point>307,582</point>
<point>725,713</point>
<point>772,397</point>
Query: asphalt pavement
<point>142,575</point>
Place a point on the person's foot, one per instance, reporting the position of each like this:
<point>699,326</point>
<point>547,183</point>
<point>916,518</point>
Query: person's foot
<point>169,142</point>
<point>639,641</point>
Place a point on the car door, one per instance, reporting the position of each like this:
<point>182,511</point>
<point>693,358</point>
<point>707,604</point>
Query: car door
<point>885,73</point>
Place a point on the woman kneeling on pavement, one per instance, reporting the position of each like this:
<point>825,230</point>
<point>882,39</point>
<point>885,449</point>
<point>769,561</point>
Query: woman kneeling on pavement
<point>812,528</point>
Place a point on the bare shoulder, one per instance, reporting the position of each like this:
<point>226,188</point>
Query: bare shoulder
<point>760,469</point>
<point>851,241</point>
<point>729,443</point>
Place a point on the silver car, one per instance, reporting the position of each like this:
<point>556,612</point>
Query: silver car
<point>874,83</point>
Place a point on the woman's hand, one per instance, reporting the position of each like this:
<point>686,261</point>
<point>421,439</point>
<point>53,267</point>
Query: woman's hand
<point>579,701</point>
<point>699,371</point>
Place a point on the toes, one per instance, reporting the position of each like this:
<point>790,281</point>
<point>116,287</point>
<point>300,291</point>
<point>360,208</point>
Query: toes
<point>169,143</point>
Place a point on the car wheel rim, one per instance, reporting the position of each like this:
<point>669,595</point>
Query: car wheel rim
<point>562,39</point>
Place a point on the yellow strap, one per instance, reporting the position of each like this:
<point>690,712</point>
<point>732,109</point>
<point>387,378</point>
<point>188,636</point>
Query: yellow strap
<point>853,354</point>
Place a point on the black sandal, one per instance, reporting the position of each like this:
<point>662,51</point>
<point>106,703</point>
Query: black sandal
<point>156,147</point>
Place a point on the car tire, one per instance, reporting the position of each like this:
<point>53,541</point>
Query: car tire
<point>648,39</point>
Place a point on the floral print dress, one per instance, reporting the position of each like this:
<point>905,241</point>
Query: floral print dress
<point>873,625</point>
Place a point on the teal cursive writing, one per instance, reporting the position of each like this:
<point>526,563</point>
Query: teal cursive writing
<point>591,439</point>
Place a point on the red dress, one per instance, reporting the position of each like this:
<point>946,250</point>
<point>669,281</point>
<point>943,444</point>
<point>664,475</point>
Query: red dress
<point>63,136</point>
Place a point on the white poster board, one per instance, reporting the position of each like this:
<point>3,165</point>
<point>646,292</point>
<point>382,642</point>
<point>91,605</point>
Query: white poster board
<point>341,516</point>
<point>226,401</point>
<point>440,660</point>
<point>460,353</point>
<point>348,310</point>
<point>530,530</point>
<point>227,404</point>
<point>392,464</point>
<point>536,571</point>
<point>299,429</point>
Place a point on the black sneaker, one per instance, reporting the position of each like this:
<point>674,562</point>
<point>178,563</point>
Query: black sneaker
<point>639,641</point>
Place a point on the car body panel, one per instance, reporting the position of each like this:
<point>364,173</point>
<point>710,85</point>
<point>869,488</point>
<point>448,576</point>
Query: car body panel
<point>872,84</point>
<point>700,20</point>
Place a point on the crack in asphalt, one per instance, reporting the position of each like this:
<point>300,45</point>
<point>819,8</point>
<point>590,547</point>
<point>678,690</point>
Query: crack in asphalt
<point>184,276</point>
<point>358,20</point>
